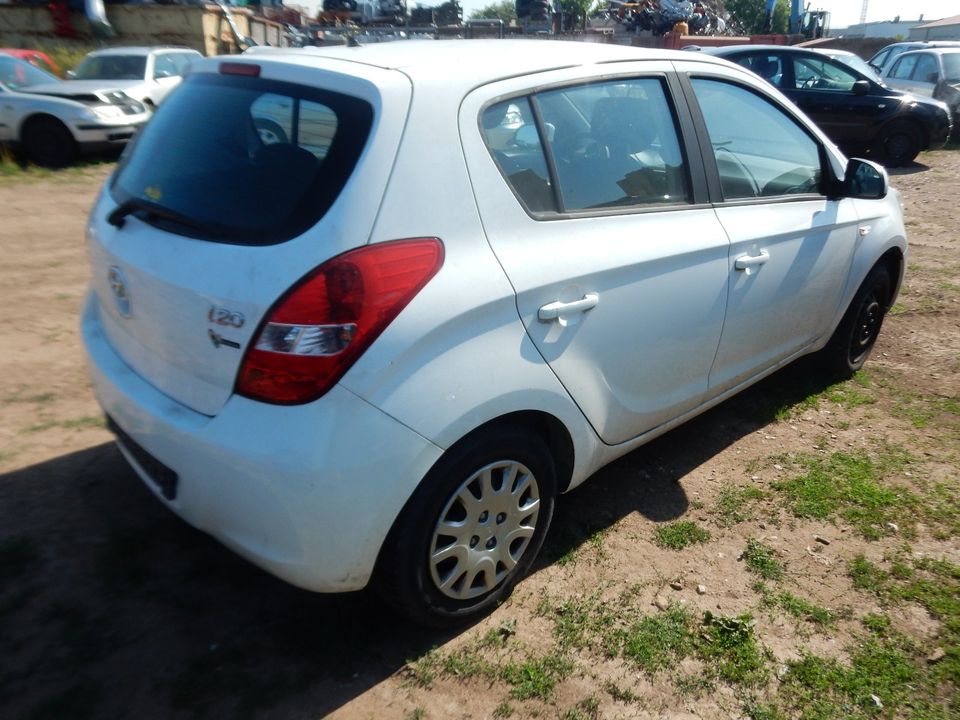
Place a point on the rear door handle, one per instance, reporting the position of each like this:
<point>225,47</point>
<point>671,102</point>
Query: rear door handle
<point>556,309</point>
<point>745,262</point>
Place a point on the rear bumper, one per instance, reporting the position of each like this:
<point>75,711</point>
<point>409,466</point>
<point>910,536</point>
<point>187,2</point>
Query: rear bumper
<point>306,492</point>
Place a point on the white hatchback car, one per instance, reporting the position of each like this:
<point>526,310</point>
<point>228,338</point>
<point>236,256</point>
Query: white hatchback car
<point>465,276</point>
<point>147,74</point>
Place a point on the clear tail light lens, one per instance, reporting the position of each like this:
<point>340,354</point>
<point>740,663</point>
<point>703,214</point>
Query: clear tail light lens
<point>318,329</point>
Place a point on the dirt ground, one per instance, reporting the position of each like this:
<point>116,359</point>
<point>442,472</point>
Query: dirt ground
<point>111,607</point>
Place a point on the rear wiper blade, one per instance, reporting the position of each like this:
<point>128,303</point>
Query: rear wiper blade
<point>118,215</point>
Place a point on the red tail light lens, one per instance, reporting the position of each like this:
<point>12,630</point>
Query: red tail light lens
<point>319,328</point>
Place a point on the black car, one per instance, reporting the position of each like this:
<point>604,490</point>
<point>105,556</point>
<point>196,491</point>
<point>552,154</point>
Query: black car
<point>859,114</point>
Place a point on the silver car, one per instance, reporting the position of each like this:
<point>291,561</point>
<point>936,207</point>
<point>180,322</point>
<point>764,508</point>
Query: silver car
<point>147,74</point>
<point>53,122</point>
<point>932,73</point>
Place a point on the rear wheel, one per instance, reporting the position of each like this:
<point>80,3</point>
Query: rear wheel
<point>899,144</point>
<point>47,142</point>
<point>857,333</point>
<point>472,529</point>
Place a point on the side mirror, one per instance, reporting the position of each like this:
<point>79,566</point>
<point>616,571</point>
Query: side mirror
<point>71,75</point>
<point>933,78</point>
<point>864,180</point>
<point>861,87</point>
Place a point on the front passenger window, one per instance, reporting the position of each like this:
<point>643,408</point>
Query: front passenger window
<point>759,149</point>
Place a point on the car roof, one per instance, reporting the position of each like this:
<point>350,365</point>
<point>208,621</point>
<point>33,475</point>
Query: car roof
<point>138,50</point>
<point>937,50</point>
<point>730,49</point>
<point>477,60</point>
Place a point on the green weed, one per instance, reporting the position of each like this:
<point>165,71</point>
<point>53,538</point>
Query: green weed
<point>733,504</point>
<point>538,677</point>
<point>657,642</point>
<point>796,606</point>
<point>679,535</point>
<point>849,485</point>
<point>729,646</point>
<point>762,561</point>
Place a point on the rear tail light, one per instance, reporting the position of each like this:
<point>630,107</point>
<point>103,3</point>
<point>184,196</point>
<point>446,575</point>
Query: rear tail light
<point>318,329</point>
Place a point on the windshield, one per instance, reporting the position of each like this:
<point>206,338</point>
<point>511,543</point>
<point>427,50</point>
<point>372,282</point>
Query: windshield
<point>112,67</point>
<point>16,74</point>
<point>242,160</point>
<point>951,67</point>
<point>857,63</point>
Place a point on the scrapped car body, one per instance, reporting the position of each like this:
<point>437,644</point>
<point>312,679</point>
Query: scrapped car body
<point>858,113</point>
<point>375,347</point>
<point>147,74</point>
<point>53,123</point>
<point>933,73</point>
<point>884,58</point>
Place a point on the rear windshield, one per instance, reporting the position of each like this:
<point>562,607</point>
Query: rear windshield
<point>242,160</point>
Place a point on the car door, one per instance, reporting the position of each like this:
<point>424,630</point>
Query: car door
<point>166,75</point>
<point>827,92</point>
<point>598,215</point>
<point>791,246</point>
<point>917,73</point>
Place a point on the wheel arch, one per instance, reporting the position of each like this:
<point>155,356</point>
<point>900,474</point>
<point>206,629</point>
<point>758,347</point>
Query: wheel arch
<point>41,115</point>
<point>548,427</point>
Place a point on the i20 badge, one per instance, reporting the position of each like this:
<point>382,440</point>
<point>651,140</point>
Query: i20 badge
<point>120,290</point>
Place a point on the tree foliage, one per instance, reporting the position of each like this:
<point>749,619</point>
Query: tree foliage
<point>751,15</point>
<point>505,10</point>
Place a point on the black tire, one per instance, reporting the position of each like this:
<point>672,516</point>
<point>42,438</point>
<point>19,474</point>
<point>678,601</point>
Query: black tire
<point>270,132</point>
<point>48,143</point>
<point>898,144</point>
<point>857,332</point>
<point>437,591</point>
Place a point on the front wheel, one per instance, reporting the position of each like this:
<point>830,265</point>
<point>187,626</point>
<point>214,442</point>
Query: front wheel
<point>857,333</point>
<point>472,529</point>
<point>898,145</point>
<point>48,143</point>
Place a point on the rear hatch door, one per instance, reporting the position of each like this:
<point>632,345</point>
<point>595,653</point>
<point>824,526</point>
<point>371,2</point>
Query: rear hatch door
<point>251,175</point>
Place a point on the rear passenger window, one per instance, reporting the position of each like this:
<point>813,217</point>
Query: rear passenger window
<point>904,68</point>
<point>926,69</point>
<point>614,144</point>
<point>759,149</point>
<point>511,135</point>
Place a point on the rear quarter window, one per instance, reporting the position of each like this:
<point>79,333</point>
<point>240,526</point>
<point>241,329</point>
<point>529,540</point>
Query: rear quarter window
<point>243,160</point>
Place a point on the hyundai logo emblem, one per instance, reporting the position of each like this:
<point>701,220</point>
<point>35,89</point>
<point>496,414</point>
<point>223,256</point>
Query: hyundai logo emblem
<point>118,286</point>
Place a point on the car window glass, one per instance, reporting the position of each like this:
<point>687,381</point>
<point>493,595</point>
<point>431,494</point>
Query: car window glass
<point>163,66</point>
<point>815,74</point>
<point>904,68</point>
<point>760,150</point>
<point>268,169</point>
<point>879,58</point>
<point>282,119</point>
<point>926,69</point>
<point>112,67</point>
<point>767,66</point>
<point>951,67</point>
<point>614,144</point>
<point>510,133</point>
<point>181,61</point>
<point>16,74</point>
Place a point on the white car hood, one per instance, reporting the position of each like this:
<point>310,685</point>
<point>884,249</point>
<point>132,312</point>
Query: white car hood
<point>74,88</point>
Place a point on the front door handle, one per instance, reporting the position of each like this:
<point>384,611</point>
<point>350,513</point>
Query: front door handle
<point>556,309</point>
<point>745,262</point>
